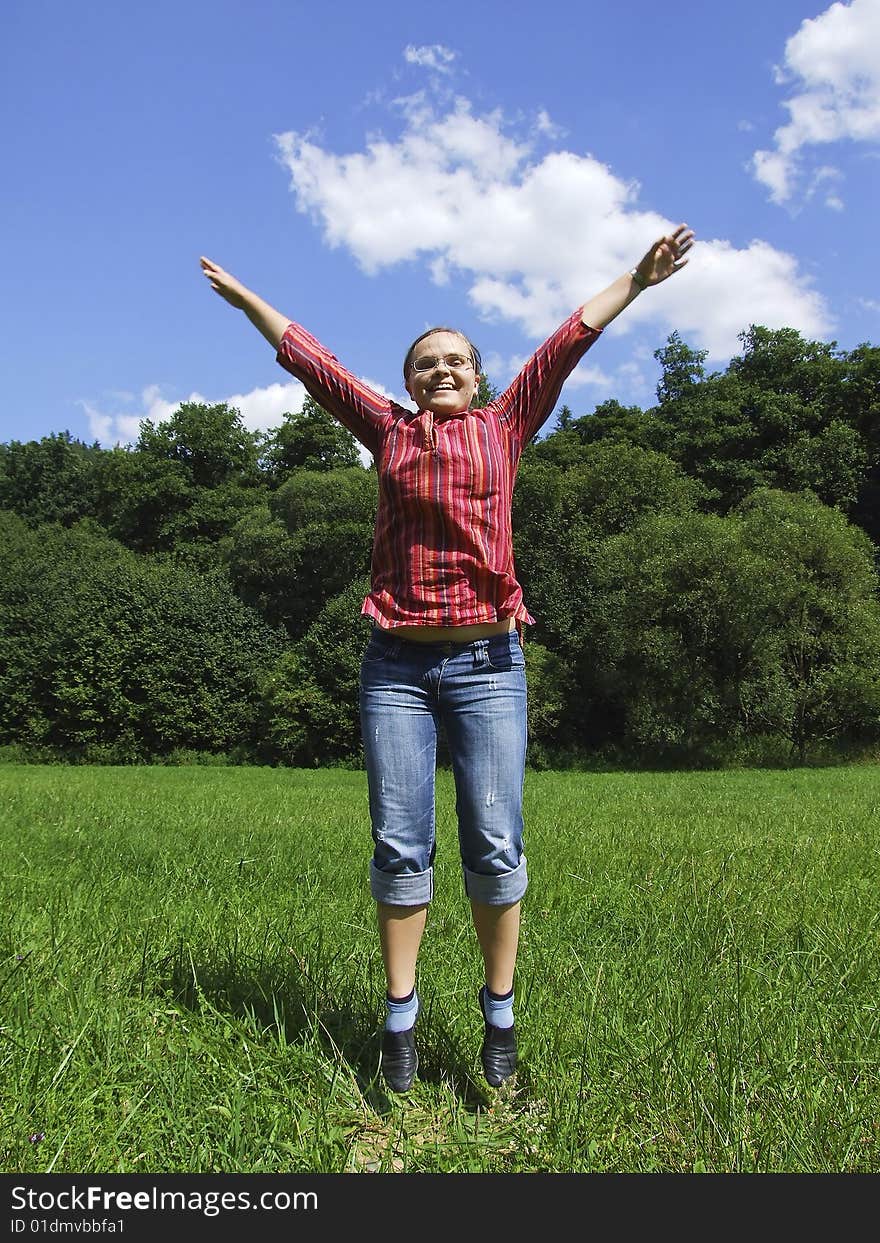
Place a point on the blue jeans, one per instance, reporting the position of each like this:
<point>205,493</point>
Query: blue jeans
<point>477,693</point>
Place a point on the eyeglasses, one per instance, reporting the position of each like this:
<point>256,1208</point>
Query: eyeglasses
<point>455,362</point>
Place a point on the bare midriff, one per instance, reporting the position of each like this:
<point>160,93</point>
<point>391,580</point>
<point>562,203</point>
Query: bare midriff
<point>453,634</point>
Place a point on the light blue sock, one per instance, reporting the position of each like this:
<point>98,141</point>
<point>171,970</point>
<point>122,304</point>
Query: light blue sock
<point>498,1010</point>
<point>401,1012</point>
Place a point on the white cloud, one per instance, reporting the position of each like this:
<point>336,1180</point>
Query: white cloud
<point>261,409</point>
<point>632,383</point>
<point>532,236</point>
<point>264,408</point>
<point>725,289</point>
<point>834,62</point>
<point>435,56</point>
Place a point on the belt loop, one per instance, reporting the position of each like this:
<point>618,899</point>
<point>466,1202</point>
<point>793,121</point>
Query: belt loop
<point>481,653</point>
<point>391,640</point>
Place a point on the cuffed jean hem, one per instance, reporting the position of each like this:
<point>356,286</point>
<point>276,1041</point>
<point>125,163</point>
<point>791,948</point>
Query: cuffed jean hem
<point>498,890</point>
<point>402,888</point>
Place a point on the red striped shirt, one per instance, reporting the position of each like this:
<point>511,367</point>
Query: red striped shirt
<point>443,546</point>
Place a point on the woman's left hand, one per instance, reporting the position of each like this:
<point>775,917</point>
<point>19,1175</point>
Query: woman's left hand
<point>667,256</point>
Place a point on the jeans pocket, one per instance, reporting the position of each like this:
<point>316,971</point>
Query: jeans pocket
<point>378,648</point>
<point>505,652</point>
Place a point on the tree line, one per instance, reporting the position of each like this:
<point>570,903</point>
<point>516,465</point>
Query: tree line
<point>703,574</point>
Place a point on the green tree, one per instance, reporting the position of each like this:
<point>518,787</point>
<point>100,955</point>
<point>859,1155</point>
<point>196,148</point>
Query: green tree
<point>569,443</point>
<point>776,418</point>
<point>105,654</point>
<point>857,401</point>
<point>145,502</point>
<point>681,368</point>
<point>831,462</point>
<point>613,421</point>
<point>211,443</point>
<point>309,440</point>
<point>708,630</point>
<point>780,360</point>
<point>560,516</point>
<point>671,633</point>
<point>486,393</point>
<point>342,495</point>
<point>291,556</point>
<point>550,692</point>
<point>184,485</point>
<point>822,636</point>
<point>561,519</point>
<point>310,699</point>
<point>50,480</point>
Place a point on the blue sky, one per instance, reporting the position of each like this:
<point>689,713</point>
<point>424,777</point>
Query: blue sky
<point>374,170</point>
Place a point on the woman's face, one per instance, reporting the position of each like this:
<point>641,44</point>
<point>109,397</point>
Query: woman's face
<point>446,387</point>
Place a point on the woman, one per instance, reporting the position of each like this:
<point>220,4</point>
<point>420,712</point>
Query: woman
<point>447,617</point>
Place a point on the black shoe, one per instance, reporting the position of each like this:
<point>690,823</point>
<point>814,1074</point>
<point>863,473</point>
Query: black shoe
<point>399,1059</point>
<point>498,1054</point>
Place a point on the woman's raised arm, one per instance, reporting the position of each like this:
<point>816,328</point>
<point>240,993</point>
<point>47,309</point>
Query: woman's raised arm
<point>271,323</point>
<point>663,259</point>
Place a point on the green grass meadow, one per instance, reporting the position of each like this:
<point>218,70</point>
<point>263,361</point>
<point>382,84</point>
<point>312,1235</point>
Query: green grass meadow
<point>190,978</point>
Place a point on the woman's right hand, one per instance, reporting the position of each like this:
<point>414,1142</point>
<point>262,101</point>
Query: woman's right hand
<point>225,284</point>
<point>271,323</point>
